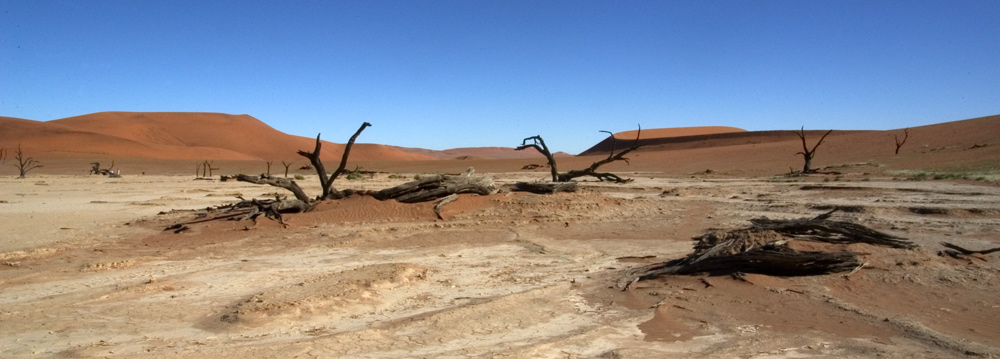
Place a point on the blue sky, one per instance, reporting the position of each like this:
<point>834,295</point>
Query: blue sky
<point>445,74</point>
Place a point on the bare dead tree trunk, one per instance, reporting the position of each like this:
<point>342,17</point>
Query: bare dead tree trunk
<point>269,167</point>
<point>3,155</point>
<point>806,153</point>
<point>538,143</point>
<point>325,181</point>
<point>286,167</point>
<point>24,164</point>
<point>906,134</point>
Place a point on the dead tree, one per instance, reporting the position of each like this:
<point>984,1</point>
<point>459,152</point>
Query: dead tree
<point>24,164</point>
<point>806,152</point>
<point>326,181</point>
<point>286,164</point>
<point>269,167</point>
<point>303,201</point>
<point>822,229</point>
<point>95,169</point>
<point>3,155</point>
<point>899,143</point>
<point>425,189</point>
<point>538,144</point>
<point>206,168</point>
<point>762,248</point>
<point>955,251</point>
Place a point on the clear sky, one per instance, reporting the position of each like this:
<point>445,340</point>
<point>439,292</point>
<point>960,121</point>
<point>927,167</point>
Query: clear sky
<point>445,74</point>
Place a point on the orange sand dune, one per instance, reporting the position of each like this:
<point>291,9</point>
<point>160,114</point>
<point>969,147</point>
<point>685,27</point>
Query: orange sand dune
<point>467,153</point>
<point>676,132</point>
<point>175,135</point>
<point>656,136</point>
<point>53,140</point>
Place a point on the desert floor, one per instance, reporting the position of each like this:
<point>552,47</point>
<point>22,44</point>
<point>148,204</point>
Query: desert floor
<point>86,270</point>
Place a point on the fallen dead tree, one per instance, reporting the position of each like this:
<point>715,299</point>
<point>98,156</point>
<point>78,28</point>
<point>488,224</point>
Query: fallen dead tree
<point>538,144</point>
<point>763,249</point>
<point>437,186</point>
<point>430,188</point>
<point>95,169</point>
<point>822,229</point>
<point>242,210</point>
<point>546,187</point>
<point>955,251</point>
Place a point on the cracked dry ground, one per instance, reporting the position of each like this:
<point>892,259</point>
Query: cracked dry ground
<point>515,276</point>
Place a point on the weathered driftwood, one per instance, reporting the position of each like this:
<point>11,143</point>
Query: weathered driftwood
<point>763,249</point>
<point>538,144</point>
<point>546,187</point>
<point>447,199</point>
<point>285,183</point>
<point>437,186</point>
<point>822,229</point>
<point>955,251</point>
<point>244,210</point>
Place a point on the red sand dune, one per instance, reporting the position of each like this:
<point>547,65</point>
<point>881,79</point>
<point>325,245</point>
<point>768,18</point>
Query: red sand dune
<point>676,132</point>
<point>474,153</point>
<point>244,142</point>
<point>655,136</point>
<point>175,135</point>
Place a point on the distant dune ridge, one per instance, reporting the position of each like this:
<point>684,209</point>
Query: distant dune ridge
<point>200,135</point>
<point>224,137</point>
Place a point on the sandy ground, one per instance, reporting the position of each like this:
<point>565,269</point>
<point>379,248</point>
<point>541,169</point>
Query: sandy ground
<point>86,271</point>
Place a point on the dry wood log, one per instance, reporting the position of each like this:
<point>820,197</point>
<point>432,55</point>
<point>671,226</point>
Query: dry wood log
<point>763,249</point>
<point>448,199</point>
<point>546,187</point>
<point>824,230</point>
<point>285,183</point>
<point>437,186</point>
<point>955,251</point>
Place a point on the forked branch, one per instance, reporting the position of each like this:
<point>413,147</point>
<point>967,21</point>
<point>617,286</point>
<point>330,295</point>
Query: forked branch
<point>899,143</point>
<point>538,143</point>
<point>24,164</point>
<point>806,153</point>
<point>326,181</point>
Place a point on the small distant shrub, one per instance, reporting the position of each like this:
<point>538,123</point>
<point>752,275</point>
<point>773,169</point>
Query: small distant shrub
<point>394,176</point>
<point>355,175</point>
<point>300,177</point>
